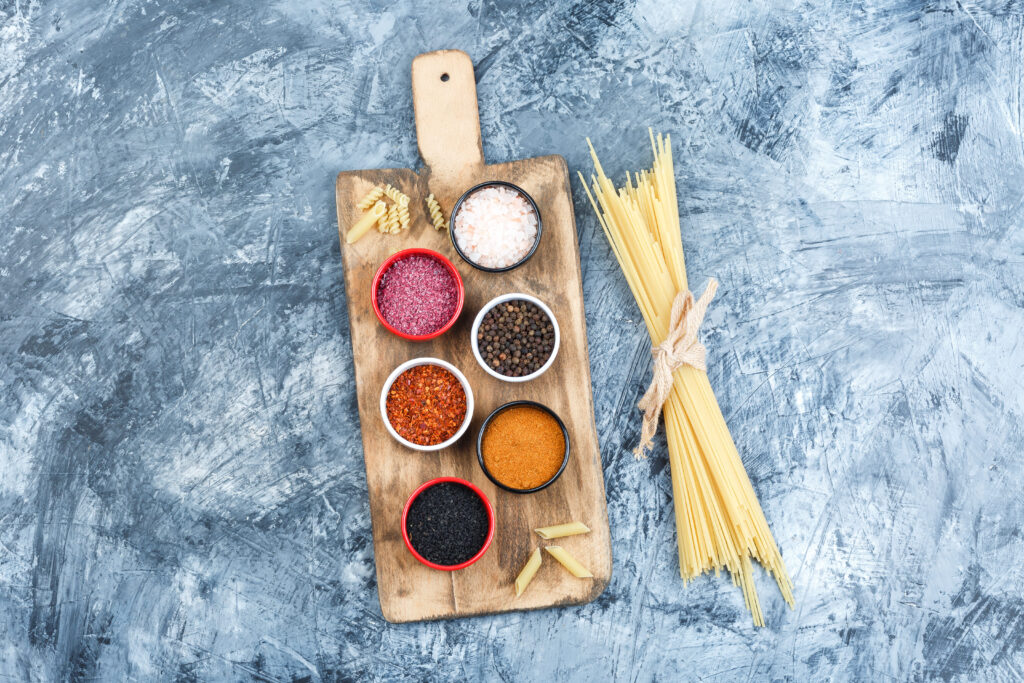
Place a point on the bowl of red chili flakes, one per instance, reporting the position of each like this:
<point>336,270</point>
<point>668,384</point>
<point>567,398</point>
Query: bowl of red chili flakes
<point>426,404</point>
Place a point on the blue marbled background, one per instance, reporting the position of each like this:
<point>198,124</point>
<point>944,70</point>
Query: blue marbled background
<point>182,492</point>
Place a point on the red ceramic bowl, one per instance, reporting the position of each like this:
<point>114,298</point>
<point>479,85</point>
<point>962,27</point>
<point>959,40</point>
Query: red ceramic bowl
<point>490,524</point>
<point>451,269</point>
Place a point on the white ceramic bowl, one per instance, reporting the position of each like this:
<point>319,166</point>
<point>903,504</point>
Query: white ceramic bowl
<point>476,328</point>
<point>411,364</point>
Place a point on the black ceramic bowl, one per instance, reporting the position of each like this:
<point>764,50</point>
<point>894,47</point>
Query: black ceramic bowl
<point>480,443</point>
<point>495,183</point>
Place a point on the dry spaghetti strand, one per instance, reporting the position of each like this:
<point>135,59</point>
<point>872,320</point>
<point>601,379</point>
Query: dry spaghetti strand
<point>719,521</point>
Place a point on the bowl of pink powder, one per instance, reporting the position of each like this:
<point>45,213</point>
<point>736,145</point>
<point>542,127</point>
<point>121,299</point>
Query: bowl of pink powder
<point>495,226</point>
<point>417,294</point>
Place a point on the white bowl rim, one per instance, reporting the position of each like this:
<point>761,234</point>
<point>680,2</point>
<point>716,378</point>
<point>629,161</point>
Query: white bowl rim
<point>426,360</point>
<point>476,328</point>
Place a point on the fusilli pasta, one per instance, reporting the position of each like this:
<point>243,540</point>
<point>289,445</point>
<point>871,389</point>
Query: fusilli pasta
<point>371,197</point>
<point>436,217</point>
<point>395,195</point>
<point>393,224</point>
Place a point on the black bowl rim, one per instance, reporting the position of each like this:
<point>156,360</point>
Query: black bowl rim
<point>458,205</point>
<point>480,441</point>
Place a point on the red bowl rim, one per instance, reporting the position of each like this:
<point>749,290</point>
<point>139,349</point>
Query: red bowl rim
<point>490,523</point>
<point>451,269</point>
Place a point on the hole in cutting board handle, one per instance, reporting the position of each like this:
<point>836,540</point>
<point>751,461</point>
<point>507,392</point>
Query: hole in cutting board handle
<point>447,118</point>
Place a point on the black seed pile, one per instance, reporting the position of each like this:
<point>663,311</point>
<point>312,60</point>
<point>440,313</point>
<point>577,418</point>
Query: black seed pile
<point>516,338</point>
<point>447,523</point>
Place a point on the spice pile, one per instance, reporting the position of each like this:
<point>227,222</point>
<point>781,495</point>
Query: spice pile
<point>516,338</point>
<point>495,227</point>
<point>447,523</point>
<point>426,405</point>
<point>523,447</point>
<point>417,295</point>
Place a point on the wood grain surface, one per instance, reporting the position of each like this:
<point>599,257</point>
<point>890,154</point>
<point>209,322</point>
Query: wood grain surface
<point>448,130</point>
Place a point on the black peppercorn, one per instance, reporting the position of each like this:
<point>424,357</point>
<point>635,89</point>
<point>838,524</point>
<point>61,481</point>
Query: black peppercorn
<point>520,338</point>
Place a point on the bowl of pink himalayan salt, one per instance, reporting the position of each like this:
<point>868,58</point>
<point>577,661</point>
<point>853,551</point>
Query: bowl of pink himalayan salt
<point>417,294</point>
<point>496,226</point>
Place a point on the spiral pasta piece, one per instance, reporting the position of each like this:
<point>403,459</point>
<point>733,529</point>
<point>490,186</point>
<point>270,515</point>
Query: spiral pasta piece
<point>396,195</point>
<point>436,217</point>
<point>370,198</point>
<point>403,216</point>
<point>393,223</point>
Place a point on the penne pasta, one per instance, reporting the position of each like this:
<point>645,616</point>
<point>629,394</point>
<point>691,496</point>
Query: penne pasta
<point>560,530</point>
<point>569,562</point>
<point>367,221</point>
<point>528,572</point>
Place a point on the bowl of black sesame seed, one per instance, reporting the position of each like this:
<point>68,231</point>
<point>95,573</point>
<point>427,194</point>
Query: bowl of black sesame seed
<point>515,337</point>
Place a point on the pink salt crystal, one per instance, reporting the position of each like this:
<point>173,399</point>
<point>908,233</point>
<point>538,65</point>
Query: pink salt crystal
<point>495,227</point>
<point>417,295</point>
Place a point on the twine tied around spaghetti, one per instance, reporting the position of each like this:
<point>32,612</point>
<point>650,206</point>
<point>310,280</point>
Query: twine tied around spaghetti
<point>681,347</point>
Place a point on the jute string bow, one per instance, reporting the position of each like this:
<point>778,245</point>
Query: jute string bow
<point>681,347</point>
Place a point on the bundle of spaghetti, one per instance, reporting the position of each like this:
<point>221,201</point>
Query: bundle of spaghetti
<point>719,521</point>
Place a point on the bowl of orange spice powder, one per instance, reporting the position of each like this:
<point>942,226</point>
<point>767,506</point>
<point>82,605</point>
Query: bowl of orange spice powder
<point>426,404</point>
<point>523,446</point>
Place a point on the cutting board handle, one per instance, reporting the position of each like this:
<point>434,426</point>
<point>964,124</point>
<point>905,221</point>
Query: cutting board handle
<point>447,118</point>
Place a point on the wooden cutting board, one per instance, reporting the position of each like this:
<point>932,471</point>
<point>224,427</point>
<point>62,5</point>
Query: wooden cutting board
<point>448,130</point>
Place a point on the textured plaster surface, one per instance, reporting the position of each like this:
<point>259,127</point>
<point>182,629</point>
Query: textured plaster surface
<point>181,484</point>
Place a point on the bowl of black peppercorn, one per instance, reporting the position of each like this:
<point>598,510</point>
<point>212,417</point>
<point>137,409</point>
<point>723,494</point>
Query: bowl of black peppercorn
<point>515,337</point>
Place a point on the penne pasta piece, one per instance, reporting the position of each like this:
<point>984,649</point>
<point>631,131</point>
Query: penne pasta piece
<point>363,225</point>
<point>569,562</point>
<point>560,530</point>
<point>528,572</point>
